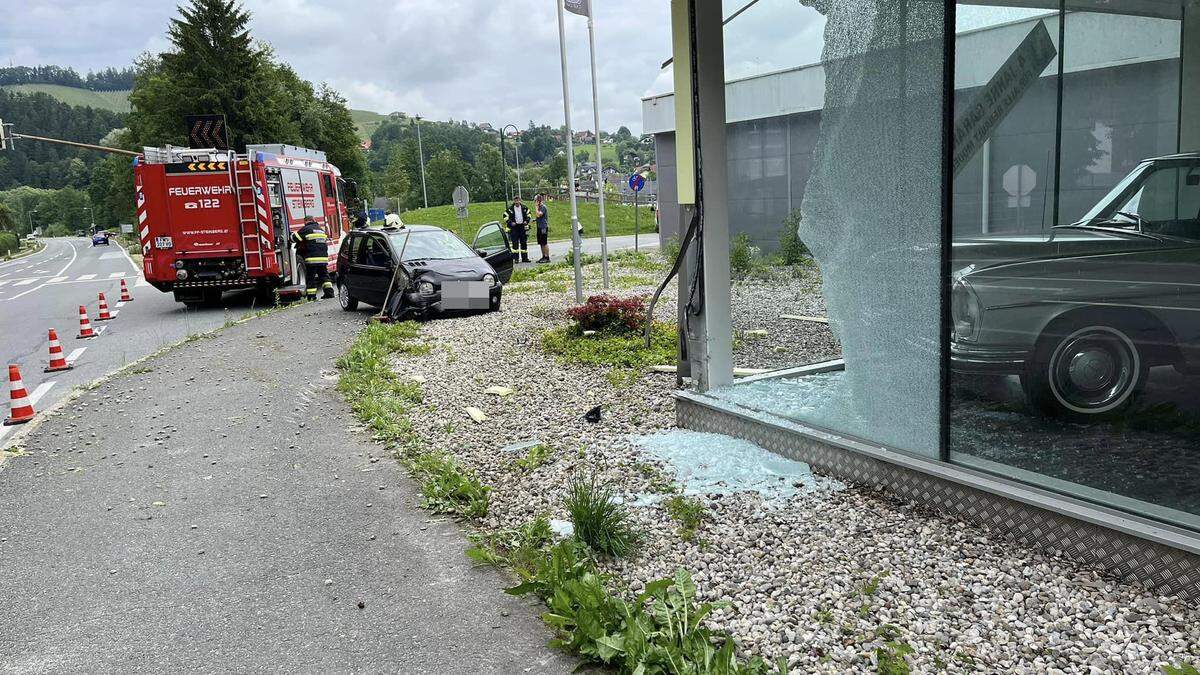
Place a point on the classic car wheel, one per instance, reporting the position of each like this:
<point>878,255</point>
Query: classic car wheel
<point>348,302</point>
<point>1085,369</point>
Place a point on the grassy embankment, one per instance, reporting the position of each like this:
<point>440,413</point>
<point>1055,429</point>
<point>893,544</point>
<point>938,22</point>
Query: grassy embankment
<point>619,219</point>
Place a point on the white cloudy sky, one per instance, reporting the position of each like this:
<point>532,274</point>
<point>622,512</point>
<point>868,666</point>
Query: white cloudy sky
<point>479,60</point>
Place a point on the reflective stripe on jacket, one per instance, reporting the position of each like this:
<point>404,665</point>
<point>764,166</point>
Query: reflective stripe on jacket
<point>312,243</point>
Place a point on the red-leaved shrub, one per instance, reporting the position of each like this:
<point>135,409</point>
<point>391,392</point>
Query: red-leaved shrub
<point>608,313</point>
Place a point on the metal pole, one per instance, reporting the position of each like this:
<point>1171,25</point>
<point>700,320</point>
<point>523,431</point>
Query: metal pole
<point>31,220</point>
<point>517,152</point>
<point>421,155</point>
<point>636,223</point>
<point>599,156</point>
<point>575,239</point>
<point>504,161</point>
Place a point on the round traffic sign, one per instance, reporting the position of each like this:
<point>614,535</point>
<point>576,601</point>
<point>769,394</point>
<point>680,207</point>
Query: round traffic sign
<point>636,182</point>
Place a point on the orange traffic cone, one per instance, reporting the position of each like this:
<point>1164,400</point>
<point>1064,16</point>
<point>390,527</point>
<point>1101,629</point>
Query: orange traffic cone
<point>57,360</point>
<point>125,296</point>
<point>22,411</point>
<point>104,315</point>
<point>85,326</point>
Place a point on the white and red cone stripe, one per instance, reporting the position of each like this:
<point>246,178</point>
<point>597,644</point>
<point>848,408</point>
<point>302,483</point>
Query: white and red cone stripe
<point>104,314</point>
<point>85,326</point>
<point>125,296</point>
<point>22,410</point>
<point>57,360</point>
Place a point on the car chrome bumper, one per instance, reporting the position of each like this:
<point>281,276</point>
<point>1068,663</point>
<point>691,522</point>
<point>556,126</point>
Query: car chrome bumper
<point>969,358</point>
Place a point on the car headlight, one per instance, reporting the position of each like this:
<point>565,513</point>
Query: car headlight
<point>490,279</point>
<point>425,288</point>
<point>965,310</point>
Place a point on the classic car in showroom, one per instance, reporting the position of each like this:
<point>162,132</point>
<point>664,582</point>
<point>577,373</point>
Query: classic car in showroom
<point>1082,312</point>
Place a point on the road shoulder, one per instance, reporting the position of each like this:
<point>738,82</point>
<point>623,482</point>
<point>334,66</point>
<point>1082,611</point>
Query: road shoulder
<point>208,510</point>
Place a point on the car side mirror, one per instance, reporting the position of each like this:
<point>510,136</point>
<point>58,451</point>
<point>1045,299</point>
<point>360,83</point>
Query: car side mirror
<point>482,253</point>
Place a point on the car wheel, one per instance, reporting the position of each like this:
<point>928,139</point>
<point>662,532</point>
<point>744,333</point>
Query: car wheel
<point>348,302</point>
<point>1085,369</point>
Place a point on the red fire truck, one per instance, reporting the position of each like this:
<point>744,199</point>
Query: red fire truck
<point>212,221</point>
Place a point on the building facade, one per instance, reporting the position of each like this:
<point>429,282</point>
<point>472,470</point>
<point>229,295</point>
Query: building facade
<point>1003,201</point>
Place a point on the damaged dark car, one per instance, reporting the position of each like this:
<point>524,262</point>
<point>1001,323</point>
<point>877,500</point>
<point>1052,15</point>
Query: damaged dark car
<point>438,272</point>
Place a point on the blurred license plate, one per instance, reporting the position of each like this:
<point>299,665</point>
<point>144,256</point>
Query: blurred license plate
<point>465,295</point>
<point>163,242</point>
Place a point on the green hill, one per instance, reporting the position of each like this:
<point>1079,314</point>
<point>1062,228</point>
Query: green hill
<point>618,219</point>
<point>366,121</point>
<point>116,101</point>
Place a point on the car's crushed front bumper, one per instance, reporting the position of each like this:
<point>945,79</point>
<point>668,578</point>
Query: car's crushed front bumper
<point>999,359</point>
<point>423,304</point>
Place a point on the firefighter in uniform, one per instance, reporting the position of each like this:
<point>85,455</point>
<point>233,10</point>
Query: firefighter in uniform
<point>516,217</point>
<point>312,246</point>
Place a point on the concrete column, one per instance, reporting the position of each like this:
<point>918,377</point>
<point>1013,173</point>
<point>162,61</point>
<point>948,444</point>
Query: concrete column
<point>716,364</point>
<point>1189,118</point>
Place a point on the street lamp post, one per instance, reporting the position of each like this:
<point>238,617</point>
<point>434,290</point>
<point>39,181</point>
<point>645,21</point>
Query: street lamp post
<point>516,152</point>
<point>421,156</point>
<point>507,192</point>
<point>31,220</point>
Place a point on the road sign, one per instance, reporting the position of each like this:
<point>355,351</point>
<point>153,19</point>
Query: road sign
<point>207,131</point>
<point>461,199</point>
<point>127,228</point>
<point>636,182</point>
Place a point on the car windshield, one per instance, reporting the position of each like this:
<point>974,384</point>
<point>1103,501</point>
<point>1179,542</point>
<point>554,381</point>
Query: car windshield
<point>1157,198</point>
<point>430,245</point>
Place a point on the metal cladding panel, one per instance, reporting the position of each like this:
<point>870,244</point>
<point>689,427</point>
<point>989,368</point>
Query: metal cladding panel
<point>1162,569</point>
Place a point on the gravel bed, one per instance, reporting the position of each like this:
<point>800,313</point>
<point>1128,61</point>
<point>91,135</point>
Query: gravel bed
<point>759,303</point>
<point>799,576</point>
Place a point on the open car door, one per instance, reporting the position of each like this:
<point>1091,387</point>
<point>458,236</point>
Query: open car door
<point>491,243</point>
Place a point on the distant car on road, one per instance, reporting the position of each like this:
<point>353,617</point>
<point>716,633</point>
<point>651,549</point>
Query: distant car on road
<point>100,239</point>
<point>439,272</point>
<point>1082,312</point>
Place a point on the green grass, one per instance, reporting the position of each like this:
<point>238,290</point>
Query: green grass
<point>447,488</point>
<point>375,393</point>
<point>613,351</point>
<point>116,101</point>
<point>618,219</point>
<point>687,512</point>
<point>584,151</point>
<point>366,122</point>
<point>600,521</point>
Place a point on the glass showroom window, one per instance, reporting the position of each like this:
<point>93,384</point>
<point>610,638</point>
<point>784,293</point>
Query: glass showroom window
<point>1076,344</point>
<point>866,200</point>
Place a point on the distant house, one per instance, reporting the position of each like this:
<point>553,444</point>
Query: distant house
<point>484,126</point>
<point>585,137</point>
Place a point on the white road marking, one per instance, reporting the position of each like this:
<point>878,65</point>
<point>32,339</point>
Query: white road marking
<point>25,282</point>
<point>101,329</point>
<point>56,280</point>
<point>4,281</point>
<point>120,303</point>
<point>74,254</point>
<point>75,354</point>
<point>116,275</point>
<point>110,255</point>
<point>40,392</point>
<point>114,313</point>
<point>86,277</point>
<point>142,282</point>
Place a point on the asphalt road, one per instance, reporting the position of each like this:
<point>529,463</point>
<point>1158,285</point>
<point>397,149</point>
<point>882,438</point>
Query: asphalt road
<point>646,241</point>
<point>45,291</point>
<point>211,512</point>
